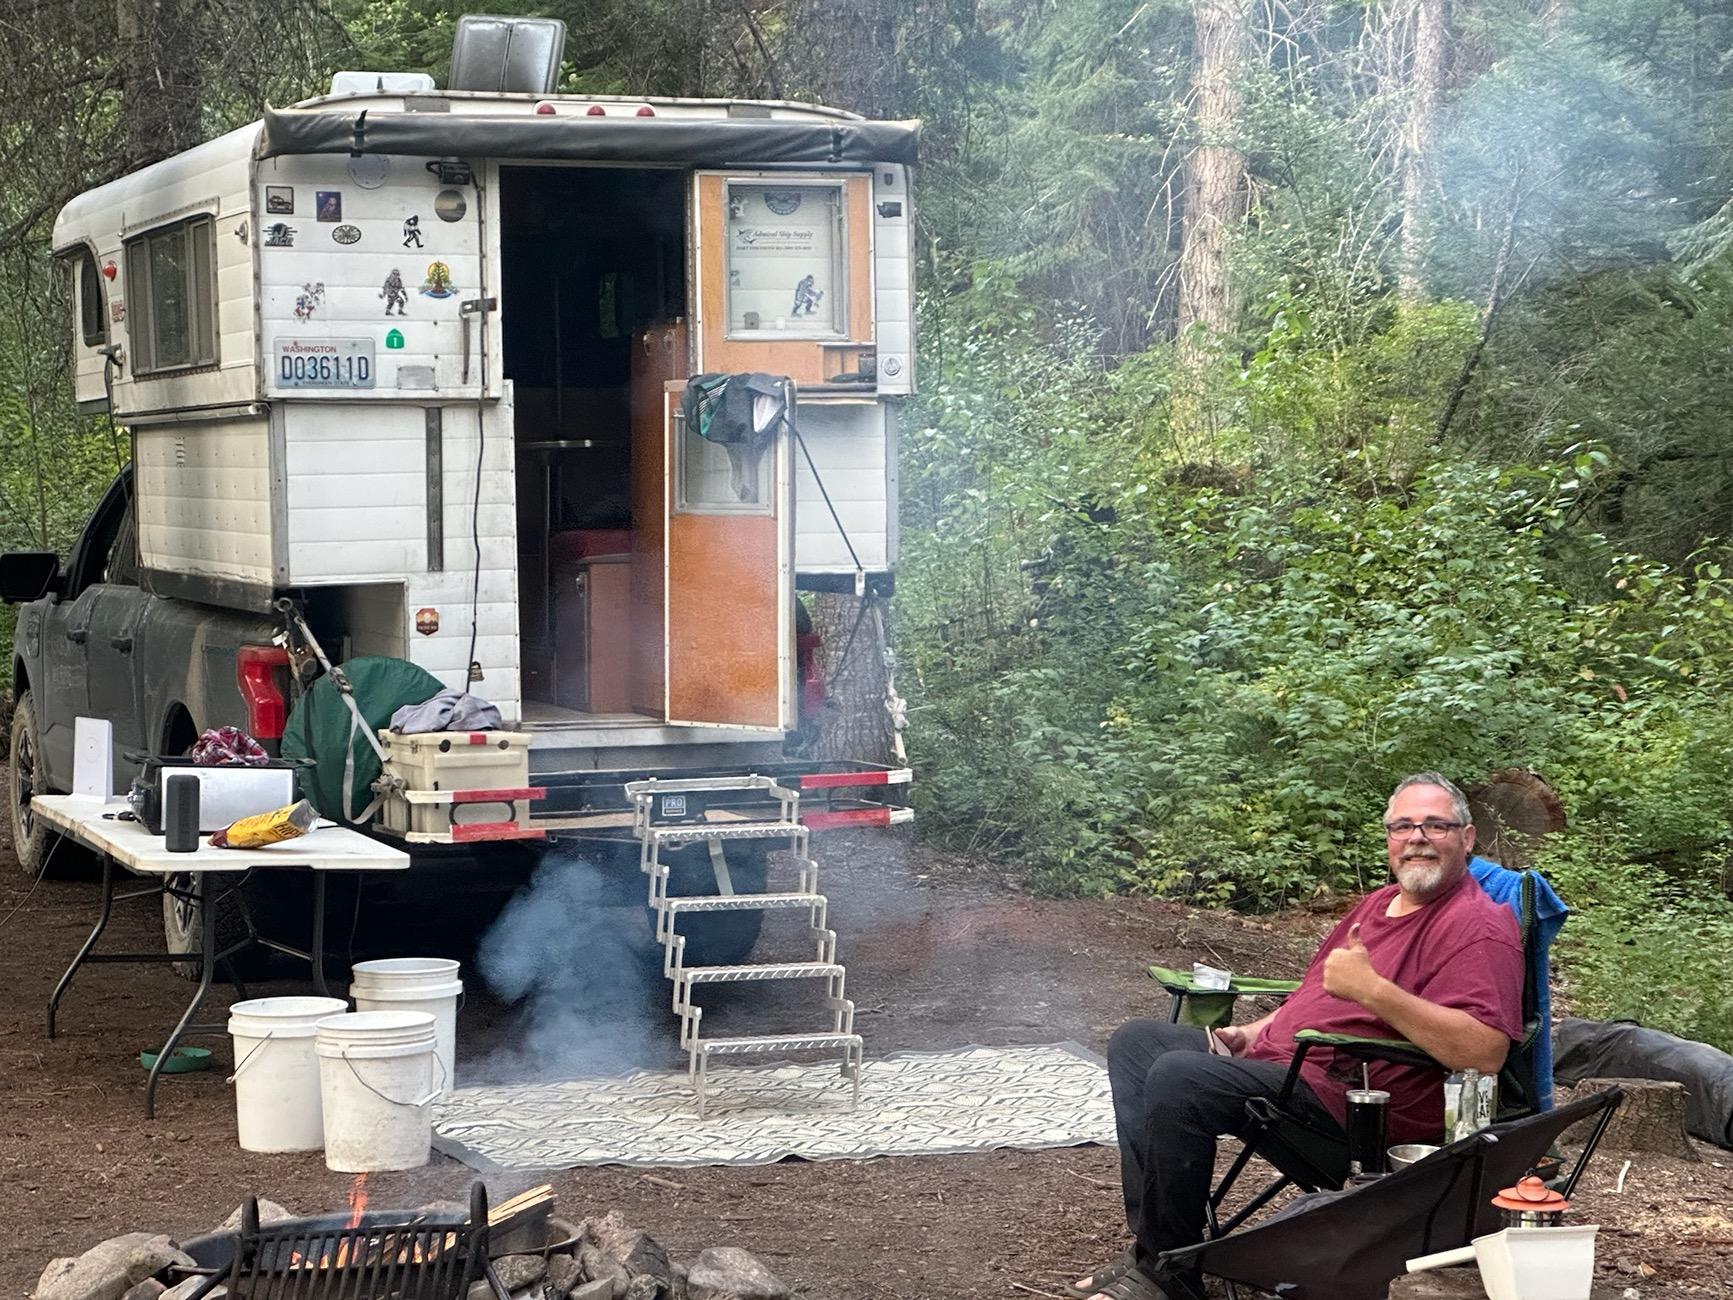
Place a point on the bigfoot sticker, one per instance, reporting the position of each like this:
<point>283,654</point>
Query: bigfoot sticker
<point>412,232</point>
<point>394,293</point>
<point>806,296</point>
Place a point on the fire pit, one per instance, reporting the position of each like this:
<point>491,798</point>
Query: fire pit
<point>382,1255</point>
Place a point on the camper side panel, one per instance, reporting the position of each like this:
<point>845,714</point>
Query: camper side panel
<point>209,181</point>
<point>204,499</point>
<point>893,280</point>
<point>848,445</point>
<point>366,507</point>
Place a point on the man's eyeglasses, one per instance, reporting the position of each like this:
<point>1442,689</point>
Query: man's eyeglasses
<point>1433,828</point>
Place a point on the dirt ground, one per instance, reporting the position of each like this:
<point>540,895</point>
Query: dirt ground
<point>940,954</point>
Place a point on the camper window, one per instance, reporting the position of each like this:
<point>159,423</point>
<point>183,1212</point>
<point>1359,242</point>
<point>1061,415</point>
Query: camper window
<point>91,326</point>
<point>787,261</point>
<point>173,293</point>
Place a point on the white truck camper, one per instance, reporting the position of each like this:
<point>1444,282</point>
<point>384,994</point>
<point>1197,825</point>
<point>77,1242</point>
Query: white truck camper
<point>414,359</point>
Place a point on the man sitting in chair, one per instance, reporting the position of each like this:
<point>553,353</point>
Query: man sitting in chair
<point>1430,959</point>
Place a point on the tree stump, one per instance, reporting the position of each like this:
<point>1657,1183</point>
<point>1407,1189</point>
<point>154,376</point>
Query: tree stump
<point>1650,1119</point>
<point>1513,809</point>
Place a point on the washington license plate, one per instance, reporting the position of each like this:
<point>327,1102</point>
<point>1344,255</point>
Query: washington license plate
<point>324,363</point>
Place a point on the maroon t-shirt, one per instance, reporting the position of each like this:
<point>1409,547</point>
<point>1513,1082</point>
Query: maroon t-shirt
<point>1461,950</point>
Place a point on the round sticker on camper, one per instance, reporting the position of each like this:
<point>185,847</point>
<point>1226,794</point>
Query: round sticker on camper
<point>782,202</point>
<point>369,170</point>
<point>449,205</point>
<point>347,234</point>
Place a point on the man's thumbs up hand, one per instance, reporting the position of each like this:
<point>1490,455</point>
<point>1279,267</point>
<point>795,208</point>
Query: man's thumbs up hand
<point>1348,969</point>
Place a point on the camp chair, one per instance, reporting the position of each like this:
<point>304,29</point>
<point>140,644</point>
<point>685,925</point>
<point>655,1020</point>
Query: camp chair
<point>1348,1245</point>
<point>1307,1155</point>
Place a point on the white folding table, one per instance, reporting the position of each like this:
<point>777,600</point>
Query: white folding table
<point>126,844</point>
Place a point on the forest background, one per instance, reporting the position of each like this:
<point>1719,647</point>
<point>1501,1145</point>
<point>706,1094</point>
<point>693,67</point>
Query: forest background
<point>1313,391</point>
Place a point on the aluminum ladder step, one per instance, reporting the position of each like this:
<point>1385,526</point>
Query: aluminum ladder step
<point>783,970</point>
<point>748,1044</point>
<point>723,831</point>
<point>740,902</point>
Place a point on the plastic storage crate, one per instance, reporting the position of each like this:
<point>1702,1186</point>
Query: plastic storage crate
<point>459,786</point>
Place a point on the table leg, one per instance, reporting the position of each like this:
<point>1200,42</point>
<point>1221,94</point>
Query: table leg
<point>207,964</point>
<point>95,934</point>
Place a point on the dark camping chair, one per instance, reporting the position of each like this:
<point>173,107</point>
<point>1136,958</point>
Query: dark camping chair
<point>380,1257</point>
<point>1348,1245</point>
<point>1314,1158</point>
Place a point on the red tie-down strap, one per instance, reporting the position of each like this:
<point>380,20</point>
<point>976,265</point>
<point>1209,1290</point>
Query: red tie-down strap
<point>531,792</point>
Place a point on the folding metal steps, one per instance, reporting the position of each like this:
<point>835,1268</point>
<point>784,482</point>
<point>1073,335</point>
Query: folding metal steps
<point>648,797</point>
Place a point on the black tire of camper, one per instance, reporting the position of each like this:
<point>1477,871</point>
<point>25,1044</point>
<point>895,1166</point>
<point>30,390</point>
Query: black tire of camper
<point>717,938</point>
<point>40,850</point>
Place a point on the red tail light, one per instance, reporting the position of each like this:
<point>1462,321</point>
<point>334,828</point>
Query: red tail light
<point>256,673</point>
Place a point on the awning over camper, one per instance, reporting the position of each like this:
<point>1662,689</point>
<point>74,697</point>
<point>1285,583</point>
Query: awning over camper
<point>708,142</point>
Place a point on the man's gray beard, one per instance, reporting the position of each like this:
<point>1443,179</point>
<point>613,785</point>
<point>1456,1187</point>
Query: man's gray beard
<point>1420,877</point>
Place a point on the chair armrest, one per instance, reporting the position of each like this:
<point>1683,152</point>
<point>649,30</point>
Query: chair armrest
<point>1372,1049</point>
<point>1207,1008</point>
<point>1181,982</point>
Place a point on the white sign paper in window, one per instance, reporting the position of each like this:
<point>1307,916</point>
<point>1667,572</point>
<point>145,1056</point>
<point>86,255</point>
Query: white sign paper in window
<point>786,261</point>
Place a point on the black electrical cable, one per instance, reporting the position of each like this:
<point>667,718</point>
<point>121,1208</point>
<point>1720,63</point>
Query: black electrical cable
<point>835,518</point>
<point>111,363</point>
<point>475,537</point>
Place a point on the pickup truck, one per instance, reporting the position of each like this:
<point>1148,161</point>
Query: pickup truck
<point>90,641</point>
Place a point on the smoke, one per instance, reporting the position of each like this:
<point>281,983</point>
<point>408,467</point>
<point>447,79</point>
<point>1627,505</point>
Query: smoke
<point>583,973</point>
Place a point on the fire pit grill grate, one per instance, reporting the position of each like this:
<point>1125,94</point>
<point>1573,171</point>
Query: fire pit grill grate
<point>413,1258</point>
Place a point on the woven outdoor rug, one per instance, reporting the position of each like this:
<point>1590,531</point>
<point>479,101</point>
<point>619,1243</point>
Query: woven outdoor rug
<point>912,1103</point>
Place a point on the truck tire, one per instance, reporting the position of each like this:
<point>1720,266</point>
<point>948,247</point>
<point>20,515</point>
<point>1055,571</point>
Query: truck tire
<point>180,929</point>
<point>41,851</point>
<point>717,938</point>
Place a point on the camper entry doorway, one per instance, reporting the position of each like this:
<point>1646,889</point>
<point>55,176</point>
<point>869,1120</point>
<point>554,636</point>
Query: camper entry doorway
<point>592,263</point>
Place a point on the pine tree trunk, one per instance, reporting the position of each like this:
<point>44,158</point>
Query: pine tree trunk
<point>160,87</point>
<point>1425,86</point>
<point>1215,190</point>
<point>856,725</point>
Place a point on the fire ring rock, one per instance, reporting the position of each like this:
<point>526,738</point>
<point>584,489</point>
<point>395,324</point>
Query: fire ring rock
<point>730,1273</point>
<point>100,1273</point>
<point>562,1276</point>
<point>520,1272</point>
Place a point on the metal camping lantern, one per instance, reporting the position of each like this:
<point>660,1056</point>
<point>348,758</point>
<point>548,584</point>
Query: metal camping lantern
<point>1531,1204</point>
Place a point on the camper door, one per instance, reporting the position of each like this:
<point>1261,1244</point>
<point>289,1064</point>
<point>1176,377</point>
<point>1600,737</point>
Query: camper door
<point>728,574</point>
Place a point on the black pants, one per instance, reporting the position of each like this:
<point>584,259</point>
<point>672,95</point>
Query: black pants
<point>1171,1098</point>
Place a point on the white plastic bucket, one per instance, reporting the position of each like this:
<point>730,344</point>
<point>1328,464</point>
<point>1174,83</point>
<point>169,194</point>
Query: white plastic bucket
<point>428,984</point>
<point>276,1078</point>
<point>378,1080</point>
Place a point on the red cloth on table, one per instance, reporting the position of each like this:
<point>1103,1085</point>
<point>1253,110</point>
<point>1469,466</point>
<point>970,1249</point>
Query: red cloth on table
<point>1461,950</point>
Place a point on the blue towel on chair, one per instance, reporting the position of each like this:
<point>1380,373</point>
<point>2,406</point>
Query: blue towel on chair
<point>1503,885</point>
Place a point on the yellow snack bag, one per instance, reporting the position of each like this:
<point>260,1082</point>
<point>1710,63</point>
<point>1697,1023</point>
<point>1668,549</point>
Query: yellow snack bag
<point>268,828</point>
